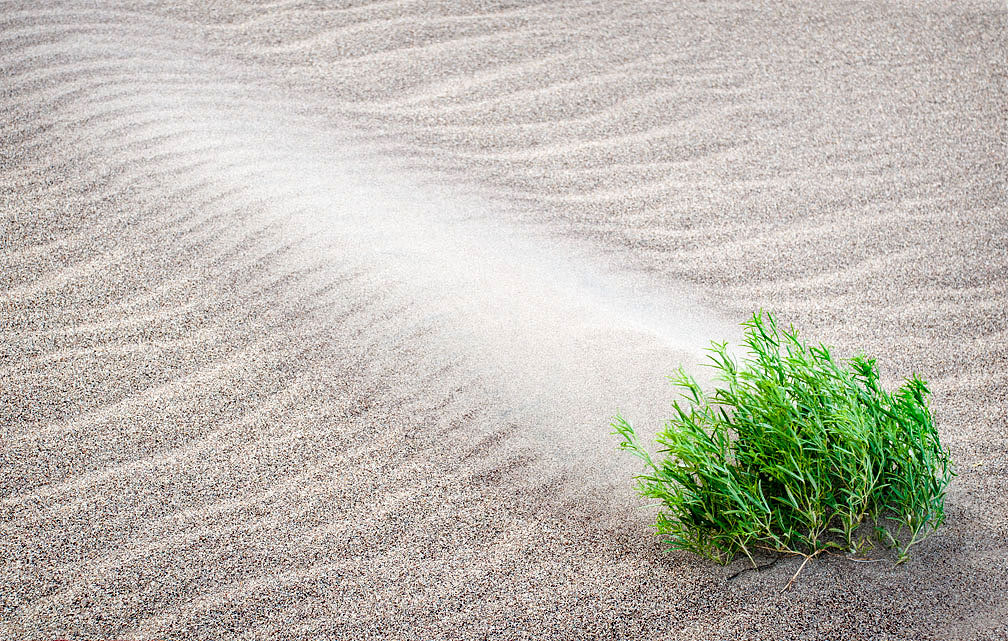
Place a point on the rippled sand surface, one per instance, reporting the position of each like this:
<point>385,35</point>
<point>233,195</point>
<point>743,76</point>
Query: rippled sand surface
<point>313,315</point>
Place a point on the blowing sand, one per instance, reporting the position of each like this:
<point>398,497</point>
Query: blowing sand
<point>313,319</point>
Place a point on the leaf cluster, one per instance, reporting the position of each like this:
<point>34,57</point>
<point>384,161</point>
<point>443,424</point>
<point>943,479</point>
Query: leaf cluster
<point>794,453</point>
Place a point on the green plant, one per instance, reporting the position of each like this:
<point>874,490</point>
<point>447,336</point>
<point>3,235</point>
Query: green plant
<point>793,453</point>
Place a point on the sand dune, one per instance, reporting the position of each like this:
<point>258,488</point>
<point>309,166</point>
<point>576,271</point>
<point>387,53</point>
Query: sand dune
<point>313,317</point>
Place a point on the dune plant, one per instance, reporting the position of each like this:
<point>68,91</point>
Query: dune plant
<point>794,453</point>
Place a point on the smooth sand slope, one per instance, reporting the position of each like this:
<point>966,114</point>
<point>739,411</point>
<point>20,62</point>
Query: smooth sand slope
<point>312,318</point>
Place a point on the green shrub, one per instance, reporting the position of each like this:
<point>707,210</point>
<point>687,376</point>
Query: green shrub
<point>794,453</point>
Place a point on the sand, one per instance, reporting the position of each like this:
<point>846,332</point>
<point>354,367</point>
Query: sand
<point>313,319</point>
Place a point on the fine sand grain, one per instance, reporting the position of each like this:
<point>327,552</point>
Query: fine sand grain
<point>313,316</point>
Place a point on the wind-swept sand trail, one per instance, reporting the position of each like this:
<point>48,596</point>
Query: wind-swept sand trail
<point>313,318</point>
